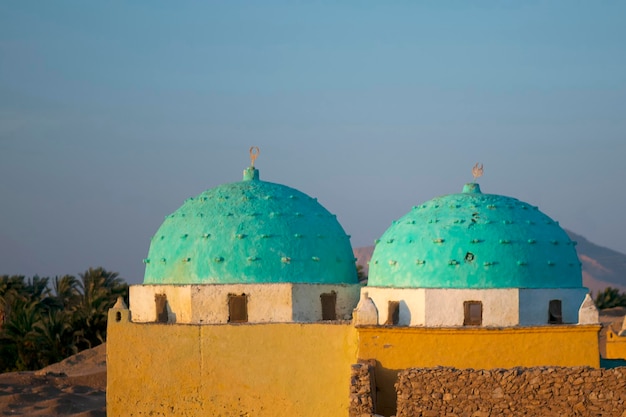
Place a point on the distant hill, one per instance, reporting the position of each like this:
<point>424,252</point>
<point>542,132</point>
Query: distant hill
<point>363,256</point>
<point>602,267</point>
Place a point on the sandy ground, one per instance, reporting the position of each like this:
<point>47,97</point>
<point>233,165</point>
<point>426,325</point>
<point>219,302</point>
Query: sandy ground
<point>74,387</point>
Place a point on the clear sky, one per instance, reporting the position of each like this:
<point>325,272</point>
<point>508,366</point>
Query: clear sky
<point>113,113</point>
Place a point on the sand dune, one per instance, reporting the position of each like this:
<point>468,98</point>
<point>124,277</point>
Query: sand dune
<point>74,387</point>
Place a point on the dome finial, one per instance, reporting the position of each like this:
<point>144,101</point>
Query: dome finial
<point>251,173</point>
<point>254,153</point>
<point>477,171</point>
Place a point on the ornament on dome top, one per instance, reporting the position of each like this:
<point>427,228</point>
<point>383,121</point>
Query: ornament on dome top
<point>254,152</point>
<point>477,171</point>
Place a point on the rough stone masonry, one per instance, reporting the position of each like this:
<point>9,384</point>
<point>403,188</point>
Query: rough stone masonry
<point>545,392</point>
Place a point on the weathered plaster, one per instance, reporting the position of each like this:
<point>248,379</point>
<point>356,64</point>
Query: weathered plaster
<point>143,306</point>
<point>615,345</point>
<point>502,307</point>
<point>228,370</point>
<point>533,304</point>
<point>307,306</point>
<point>412,303</point>
<point>444,307</point>
<point>277,303</point>
<point>588,312</point>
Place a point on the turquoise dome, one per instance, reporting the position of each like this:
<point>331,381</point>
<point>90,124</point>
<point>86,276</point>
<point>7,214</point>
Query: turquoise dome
<point>250,232</point>
<point>475,240</point>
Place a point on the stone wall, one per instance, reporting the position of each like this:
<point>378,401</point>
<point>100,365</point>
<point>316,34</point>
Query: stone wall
<point>362,389</point>
<point>547,391</point>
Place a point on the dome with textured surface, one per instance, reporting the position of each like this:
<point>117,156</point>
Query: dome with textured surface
<point>475,240</point>
<point>250,232</point>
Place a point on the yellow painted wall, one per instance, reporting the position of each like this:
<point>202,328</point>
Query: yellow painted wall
<point>304,369</point>
<point>480,348</point>
<point>228,370</point>
<point>615,345</point>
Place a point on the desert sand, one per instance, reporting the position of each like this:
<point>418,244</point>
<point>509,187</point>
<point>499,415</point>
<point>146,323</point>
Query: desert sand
<point>75,387</point>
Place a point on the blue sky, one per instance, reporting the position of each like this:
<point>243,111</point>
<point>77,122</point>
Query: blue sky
<point>113,113</point>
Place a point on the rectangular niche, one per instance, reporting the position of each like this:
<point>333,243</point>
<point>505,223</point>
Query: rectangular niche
<point>329,305</point>
<point>555,315</point>
<point>473,313</point>
<point>237,308</point>
<point>160,301</point>
<point>393,313</point>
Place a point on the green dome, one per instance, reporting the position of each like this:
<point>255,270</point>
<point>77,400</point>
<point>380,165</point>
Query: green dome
<point>250,232</point>
<point>475,240</point>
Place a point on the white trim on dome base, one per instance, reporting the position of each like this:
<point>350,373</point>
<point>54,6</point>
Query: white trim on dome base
<point>499,307</point>
<point>264,303</point>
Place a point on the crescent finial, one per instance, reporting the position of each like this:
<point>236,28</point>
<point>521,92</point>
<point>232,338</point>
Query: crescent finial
<point>477,171</point>
<point>254,152</point>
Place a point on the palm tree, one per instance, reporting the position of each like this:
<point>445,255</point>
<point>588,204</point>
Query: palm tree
<point>39,325</point>
<point>55,337</point>
<point>37,287</point>
<point>610,297</point>
<point>15,288</point>
<point>66,292</point>
<point>360,272</point>
<point>35,330</point>
<point>19,330</point>
<point>11,289</point>
<point>99,290</point>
